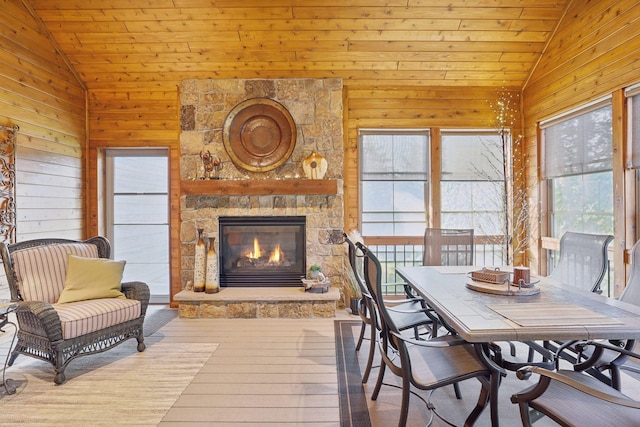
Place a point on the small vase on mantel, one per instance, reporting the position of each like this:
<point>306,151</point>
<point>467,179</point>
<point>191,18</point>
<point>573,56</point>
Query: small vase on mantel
<point>199,263</point>
<point>314,166</point>
<point>212,284</point>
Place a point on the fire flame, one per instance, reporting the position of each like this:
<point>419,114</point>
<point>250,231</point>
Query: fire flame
<point>275,255</point>
<point>257,253</point>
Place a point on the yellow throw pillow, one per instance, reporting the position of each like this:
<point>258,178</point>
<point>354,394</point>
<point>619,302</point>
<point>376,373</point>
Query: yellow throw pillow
<point>92,278</point>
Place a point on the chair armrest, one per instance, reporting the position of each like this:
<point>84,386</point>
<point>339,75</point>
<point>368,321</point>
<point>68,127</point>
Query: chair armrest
<point>608,346</point>
<point>439,342</point>
<point>396,310</point>
<point>39,318</point>
<point>525,373</point>
<point>400,301</point>
<point>138,291</point>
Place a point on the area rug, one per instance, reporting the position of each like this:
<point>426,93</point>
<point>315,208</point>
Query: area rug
<point>353,402</point>
<point>147,385</point>
<point>156,319</point>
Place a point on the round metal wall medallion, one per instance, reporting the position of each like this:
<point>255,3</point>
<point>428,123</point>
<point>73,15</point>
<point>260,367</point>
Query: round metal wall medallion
<point>259,134</point>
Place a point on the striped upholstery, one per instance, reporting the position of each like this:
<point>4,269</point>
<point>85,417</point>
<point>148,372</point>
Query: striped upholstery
<point>41,271</point>
<point>81,317</point>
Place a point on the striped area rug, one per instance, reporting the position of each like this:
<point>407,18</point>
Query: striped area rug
<point>353,402</point>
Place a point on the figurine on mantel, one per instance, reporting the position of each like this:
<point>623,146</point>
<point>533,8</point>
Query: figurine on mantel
<point>211,164</point>
<point>314,166</point>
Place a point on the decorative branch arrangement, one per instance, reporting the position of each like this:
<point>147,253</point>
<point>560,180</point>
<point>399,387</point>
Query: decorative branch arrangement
<point>515,204</point>
<point>7,183</point>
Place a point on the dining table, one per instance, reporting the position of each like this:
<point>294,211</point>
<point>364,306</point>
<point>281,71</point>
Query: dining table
<point>483,313</point>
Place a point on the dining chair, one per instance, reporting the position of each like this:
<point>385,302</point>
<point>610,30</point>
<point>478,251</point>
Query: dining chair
<point>602,360</point>
<point>576,399</point>
<point>424,364</point>
<point>583,260</point>
<point>446,246</point>
<point>407,313</point>
<point>582,264</point>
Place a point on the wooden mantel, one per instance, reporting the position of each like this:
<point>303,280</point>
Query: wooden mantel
<point>260,187</point>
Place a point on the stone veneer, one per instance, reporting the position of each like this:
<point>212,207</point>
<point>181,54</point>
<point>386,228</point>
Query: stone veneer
<point>251,303</point>
<point>316,107</point>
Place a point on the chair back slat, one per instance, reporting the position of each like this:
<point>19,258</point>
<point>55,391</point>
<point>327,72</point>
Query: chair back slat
<point>445,246</point>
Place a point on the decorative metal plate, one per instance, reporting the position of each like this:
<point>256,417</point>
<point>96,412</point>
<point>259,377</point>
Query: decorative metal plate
<point>259,134</point>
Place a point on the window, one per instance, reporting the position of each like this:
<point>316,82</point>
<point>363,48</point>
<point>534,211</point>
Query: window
<point>578,167</point>
<point>471,182</point>
<point>472,189</point>
<point>394,178</point>
<point>138,216</point>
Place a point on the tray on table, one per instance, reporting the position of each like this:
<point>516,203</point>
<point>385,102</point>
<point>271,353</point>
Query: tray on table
<point>499,282</point>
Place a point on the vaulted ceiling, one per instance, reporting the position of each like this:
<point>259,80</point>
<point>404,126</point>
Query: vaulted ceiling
<point>364,42</point>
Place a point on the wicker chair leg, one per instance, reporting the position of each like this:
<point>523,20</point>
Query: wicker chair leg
<point>141,344</point>
<point>60,378</point>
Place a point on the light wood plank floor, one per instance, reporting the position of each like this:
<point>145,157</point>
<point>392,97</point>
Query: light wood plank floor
<point>266,372</point>
<point>226,372</point>
<point>216,372</point>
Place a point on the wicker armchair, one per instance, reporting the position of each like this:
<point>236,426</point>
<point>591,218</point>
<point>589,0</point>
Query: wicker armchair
<point>59,333</point>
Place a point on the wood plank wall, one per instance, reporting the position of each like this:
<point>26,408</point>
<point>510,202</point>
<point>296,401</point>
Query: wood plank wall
<point>44,98</point>
<point>594,53</point>
<point>40,94</point>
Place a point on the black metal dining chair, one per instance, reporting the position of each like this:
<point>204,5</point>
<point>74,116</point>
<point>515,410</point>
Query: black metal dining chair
<point>582,264</point>
<point>447,246</point>
<point>598,361</point>
<point>407,313</point>
<point>423,364</point>
<point>583,260</point>
<point>575,399</point>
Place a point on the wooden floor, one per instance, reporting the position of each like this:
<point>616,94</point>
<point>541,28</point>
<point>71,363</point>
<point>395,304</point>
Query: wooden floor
<point>266,372</point>
<point>194,372</point>
<point>219,372</point>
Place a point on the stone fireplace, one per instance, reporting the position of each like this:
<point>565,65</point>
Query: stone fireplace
<point>316,108</point>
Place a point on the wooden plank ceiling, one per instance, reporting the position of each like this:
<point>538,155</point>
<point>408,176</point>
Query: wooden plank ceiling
<point>365,42</point>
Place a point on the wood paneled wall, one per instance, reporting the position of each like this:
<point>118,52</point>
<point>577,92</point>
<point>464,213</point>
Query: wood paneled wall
<point>135,116</point>
<point>40,94</point>
<point>594,53</point>
<point>408,108</point>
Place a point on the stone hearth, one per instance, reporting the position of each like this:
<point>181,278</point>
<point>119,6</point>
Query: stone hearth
<point>251,303</point>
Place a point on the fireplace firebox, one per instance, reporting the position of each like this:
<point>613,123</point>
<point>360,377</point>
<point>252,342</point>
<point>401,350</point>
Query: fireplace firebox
<point>257,251</point>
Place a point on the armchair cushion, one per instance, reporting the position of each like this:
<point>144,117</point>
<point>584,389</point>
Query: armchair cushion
<point>91,278</point>
<point>41,271</point>
<point>82,317</point>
